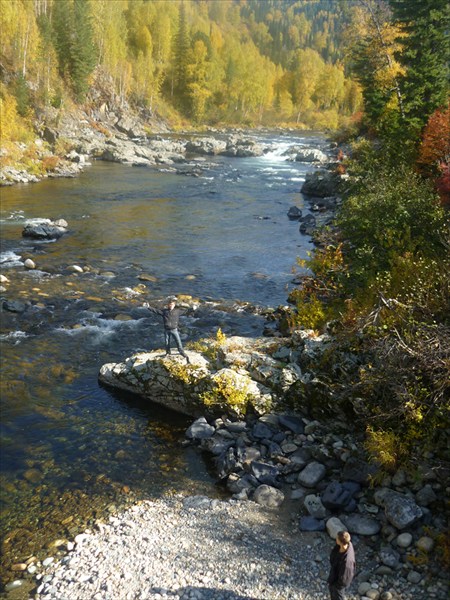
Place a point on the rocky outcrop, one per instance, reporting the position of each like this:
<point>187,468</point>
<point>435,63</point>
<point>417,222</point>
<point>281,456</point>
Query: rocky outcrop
<point>231,381</point>
<point>311,155</point>
<point>45,229</point>
<point>322,184</point>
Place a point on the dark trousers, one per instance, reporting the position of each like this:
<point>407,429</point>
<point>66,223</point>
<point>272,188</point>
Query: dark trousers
<point>336,593</point>
<point>173,333</point>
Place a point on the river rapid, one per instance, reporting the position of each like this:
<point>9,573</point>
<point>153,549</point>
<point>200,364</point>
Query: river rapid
<point>71,449</point>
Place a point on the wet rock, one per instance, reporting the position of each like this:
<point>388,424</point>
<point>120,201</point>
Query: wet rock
<point>308,224</point>
<point>46,230</point>
<point>311,155</point>
<point>264,473</point>
<point>294,213</point>
<point>29,264</point>
<point>14,306</point>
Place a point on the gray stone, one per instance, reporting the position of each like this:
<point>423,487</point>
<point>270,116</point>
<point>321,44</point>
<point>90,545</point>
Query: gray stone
<point>414,577</point>
<point>197,502</point>
<point>389,557</point>
<point>362,525</point>
<point>293,423</point>
<point>336,497</point>
<point>314,506</point>
<point>261,431</point>
<point>364,587</point>
<point>334,526</point>
<point>300,458</point>
<point>264,473</point>
<point>268,496</point>
<point>312,474</point>
<point>43,231</point>
<point>400,510</point>
<point>356,470</point>
<point>29,264</point>
<point>226,463</point>
<point>308,523</point>
<point>14,306</point>
<point>425,544</point>
<point>426,496</point>
<point>404,540</point>
<point>200,430</point>
<point>247,454</point>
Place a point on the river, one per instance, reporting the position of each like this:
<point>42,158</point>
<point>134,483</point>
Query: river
<point>71,449</point>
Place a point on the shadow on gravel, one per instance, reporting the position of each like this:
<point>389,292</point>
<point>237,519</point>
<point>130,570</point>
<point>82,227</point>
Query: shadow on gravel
<point>203,593</point>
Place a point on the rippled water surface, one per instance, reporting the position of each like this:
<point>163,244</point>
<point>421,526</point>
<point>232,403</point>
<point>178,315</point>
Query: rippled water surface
<point>71,449</point>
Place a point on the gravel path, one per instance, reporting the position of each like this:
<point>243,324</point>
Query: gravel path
<point>196,548</point>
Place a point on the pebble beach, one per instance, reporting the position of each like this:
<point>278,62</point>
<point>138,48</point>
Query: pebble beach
<point>192,548</point>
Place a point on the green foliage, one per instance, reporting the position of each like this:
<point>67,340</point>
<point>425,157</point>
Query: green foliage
<point>82,50</point>
<point>210,348</point>
<point>424,54</point>
<point>391,212</point>
<point>385,449</point>
<point>22,96</point>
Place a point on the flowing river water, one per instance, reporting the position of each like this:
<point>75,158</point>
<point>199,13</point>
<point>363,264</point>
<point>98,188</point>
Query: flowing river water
<point>72,450</point>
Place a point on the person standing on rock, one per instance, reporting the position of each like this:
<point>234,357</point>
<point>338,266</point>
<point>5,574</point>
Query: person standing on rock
<point>171,317</point>
<point>342,571</point>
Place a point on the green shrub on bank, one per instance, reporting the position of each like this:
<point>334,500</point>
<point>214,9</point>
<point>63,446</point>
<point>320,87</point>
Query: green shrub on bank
<point>384,273</point>
<point>391,213</point>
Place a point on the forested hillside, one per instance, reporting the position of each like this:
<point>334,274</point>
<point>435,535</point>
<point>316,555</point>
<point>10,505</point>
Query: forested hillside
<point>207,61</point>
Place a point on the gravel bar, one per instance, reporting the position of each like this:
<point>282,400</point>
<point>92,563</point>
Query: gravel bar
<point>192,548</point>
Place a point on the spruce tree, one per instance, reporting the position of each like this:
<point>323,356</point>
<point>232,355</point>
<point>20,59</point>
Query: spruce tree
<point>425,53</point>
<point>62,27</point>
<point>83,52</point>
<point>181,50</point>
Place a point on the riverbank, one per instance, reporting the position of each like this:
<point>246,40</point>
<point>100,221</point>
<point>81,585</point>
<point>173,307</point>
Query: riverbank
<point>196,548</point>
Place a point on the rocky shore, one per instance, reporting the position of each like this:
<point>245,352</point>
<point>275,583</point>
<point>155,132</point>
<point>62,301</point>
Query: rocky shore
<point>67,141</point>
<point>293,461</point>
<point>193,547</point>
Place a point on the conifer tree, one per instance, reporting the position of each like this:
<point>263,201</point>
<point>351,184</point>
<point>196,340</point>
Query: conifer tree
<point>181,58</point>
<point>83,54</point>
<point>424,54</point>
<point>63,25</point>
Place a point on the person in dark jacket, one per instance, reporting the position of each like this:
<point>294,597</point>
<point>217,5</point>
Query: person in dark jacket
<point>171,318</point>
<point>342,571</point>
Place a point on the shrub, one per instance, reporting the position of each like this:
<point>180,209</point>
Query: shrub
<point>393,212</point>
<point>227,395</point>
